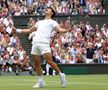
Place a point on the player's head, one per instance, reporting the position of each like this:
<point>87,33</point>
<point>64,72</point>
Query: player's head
<point>50,11</point>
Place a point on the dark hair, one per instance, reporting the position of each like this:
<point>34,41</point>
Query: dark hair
<point>53,11</point>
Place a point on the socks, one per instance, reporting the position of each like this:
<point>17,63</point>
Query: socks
<point>40,78</point>
<point>60,74</point>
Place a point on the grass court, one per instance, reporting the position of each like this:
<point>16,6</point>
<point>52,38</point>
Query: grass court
<point>75,82</point>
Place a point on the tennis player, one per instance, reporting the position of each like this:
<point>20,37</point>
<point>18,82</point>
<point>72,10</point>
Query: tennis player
<point>41,45</point>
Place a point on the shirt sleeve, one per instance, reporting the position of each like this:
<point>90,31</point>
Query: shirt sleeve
<point>55,24</point>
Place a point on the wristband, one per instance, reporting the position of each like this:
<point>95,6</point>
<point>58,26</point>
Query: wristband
<point>18,30</point>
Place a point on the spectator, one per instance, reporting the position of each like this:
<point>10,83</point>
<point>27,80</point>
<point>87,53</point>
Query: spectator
<point>31,22</point>
<point>3,3</point>
<point>29,2</point>
<point>104,29</point>
<point>1,63</point>
<point>21,53</point>
<point>9,29</point>
<point>100,58</point>
<point>1,60</point>
<point>2,48</point>
<point>23,10</point>
<point>89,53</point>
<point>30,10</point>
<point>105,56</point>
<point>17,10</point>
<point>8,62</point>
<point>41,7</point>
<point>10,49</point>
<point>17,64</point>
<point>79,58</point>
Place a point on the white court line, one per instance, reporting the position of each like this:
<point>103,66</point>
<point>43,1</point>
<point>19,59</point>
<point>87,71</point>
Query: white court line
<point>53,82</point>
<point>70,82</point>
<point>90,83</point>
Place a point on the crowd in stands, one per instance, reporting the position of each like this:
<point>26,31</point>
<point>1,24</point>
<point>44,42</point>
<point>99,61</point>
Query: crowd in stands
<point>65,7</point>
<point>12,56</point>
<point>83,44</point>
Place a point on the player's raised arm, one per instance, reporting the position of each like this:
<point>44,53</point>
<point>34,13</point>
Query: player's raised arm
<point>26,31</point>
<point>60,29</point>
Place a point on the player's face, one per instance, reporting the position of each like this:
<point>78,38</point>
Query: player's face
<point>48,11</point>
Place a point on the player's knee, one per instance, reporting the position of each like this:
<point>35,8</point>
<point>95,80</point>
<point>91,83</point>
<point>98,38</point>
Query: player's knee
<point>49,62</point>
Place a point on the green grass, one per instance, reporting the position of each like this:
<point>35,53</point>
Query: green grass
<point>75,82</point>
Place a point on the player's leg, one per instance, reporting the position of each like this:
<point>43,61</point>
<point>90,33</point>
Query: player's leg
<point>36,56</point>
<point>48,58</point>
<point>40,83</point>
<point>37,65</point>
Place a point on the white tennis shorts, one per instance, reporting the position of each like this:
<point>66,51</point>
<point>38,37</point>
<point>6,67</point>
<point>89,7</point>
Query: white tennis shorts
<point>40,48</point>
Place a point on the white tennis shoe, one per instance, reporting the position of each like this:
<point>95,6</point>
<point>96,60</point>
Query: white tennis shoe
<point>39,84</point>
<point>63,80</point>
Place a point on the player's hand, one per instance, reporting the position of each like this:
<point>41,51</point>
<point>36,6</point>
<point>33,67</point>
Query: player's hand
<point>68,29</point>
<point>14,30</point>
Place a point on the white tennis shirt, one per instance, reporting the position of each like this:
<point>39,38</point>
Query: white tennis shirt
<point>44,31</point>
